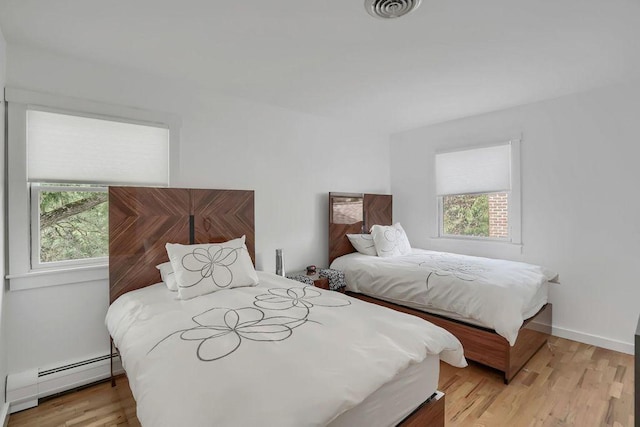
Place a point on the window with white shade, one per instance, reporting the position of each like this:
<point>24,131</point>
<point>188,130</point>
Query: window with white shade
<point>478,192</point>
<point>70,161</point>
<point>77,149</point>
<point>63,153</point>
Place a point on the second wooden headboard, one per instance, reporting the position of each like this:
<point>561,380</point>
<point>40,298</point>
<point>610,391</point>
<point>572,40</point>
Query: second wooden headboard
<point>355,213</point>
<point>143,219</point>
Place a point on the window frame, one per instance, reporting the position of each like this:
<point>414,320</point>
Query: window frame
<point>36,263</point>
<point>20,272</point>
<point>513,204</point>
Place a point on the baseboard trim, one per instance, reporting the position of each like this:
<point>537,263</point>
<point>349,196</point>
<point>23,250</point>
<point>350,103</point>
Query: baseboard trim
<point>4,414</point>
<point>622,347</point>
<point>24,389</point>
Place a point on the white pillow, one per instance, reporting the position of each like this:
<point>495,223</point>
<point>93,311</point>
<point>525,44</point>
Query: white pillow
<point>390,240</point>
<point>403,240</point>
<point>363,243</point>
<point>206,268</point>
<point>168,276</point>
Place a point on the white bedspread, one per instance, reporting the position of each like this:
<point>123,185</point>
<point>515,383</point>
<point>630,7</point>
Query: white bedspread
<point>277,354</point>
<point>496,294</point>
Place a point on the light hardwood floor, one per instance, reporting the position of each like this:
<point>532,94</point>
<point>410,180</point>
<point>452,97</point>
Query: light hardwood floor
<point>564,384</point>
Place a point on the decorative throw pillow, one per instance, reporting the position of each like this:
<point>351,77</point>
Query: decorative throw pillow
<point>168,276</point>
<point>403,240</point>
<point>363,243</point>
<point>390,240</point>
<point>206,268</point>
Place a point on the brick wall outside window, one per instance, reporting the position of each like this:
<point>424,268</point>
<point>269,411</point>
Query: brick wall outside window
<point>498,215</point>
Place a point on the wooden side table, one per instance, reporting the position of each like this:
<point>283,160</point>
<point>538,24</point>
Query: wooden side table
<point>318,282</point>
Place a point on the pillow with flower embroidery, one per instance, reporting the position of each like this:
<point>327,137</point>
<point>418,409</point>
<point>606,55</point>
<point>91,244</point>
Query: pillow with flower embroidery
<point>390,240</point>
<point>205,268</point>
<point>403,241</point>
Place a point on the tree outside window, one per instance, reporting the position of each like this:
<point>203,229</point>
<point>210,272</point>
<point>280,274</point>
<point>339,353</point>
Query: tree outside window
<point>476,215</point>
<point>73,224</point>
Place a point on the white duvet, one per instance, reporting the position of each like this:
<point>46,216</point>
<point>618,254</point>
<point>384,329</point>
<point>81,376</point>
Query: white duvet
<point>493,293</point>
<point>277,354</point>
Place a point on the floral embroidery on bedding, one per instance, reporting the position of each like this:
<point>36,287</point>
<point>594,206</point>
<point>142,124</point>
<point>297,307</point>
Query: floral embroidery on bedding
<point>220,331</point>
<point>443,266</point>
<point>212,263</point>
<point>307,297</point>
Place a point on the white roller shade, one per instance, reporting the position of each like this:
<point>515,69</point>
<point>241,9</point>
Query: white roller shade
<point>479,170</point>
<point>66,148</point>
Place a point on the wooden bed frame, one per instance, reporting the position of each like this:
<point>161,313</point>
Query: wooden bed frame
<point>480,344</point>
<point>143,219</point>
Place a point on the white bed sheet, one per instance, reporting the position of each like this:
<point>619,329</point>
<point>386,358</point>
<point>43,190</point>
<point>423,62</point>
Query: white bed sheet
<point>537,302</point>
<point>394,401</point>
<point>306,373</point>
<point>496,294</point>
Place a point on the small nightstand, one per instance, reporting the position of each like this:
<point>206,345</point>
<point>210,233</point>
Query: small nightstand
<point>318,282</point>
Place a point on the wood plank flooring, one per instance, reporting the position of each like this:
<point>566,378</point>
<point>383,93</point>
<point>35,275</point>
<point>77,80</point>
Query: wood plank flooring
<point>564,384</point>
<point>94,406</point>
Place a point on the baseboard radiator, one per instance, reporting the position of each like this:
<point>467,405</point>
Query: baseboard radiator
<point>25,388</point>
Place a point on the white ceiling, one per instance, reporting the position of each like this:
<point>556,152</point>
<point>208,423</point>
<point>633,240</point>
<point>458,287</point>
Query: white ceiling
<point>449,59</point>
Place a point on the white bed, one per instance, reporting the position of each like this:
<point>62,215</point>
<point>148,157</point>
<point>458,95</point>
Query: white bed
<point>276,354</point>
<point>396,399</point>
<point>491,293</point>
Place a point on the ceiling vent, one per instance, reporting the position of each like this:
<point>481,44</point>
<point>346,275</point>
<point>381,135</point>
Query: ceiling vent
<point>390,8</point>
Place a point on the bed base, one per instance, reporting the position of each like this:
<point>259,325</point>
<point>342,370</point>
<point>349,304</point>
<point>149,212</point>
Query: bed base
<point>429,413</point>
<point>484,345</point>
<point>111,355</point>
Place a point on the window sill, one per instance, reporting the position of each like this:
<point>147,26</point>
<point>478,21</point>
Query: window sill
<point>43,278</point>
<point>477,247</point>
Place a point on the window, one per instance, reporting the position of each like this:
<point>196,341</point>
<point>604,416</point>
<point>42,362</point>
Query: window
<point>69,223</point>
<point>478,194</point>
<point>476,215</point>
<point>62,155</point>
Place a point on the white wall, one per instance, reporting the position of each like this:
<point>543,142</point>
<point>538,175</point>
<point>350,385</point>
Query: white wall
<point>291,160</point>
<point>3,342</point>
<point>580,199</point>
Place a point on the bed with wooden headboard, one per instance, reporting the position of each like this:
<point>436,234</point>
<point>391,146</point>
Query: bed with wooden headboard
<point>142,220</point>
<point>355,213</point>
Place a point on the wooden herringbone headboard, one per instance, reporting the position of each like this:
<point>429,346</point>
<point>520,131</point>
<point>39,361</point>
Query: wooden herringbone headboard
<point>354,213</point>
<point>142,220</point>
